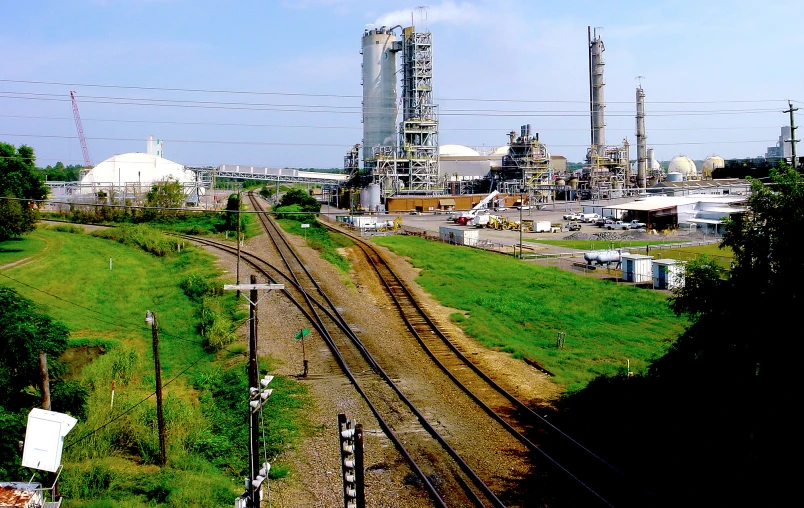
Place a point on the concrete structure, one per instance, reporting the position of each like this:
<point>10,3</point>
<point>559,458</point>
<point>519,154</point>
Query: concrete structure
<point>155,147</point>
<point>783,148</point>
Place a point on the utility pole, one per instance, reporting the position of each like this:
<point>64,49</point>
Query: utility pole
<point>150,318</point>
<point>521,204</point>
<point>239,204</point>
<point>45,380</point>
<point>258,394</point>
<point>793,128</point>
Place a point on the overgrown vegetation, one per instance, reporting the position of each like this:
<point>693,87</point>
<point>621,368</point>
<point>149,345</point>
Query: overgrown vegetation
<point>111,463</point>
<point>520,308</point>
<point>712,419</point>
<point>20,185</point>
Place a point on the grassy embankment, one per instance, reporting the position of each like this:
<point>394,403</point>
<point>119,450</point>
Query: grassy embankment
<point>204,402</point>
<point>319,238</point>
<point>16,249</point>
<point>520,308</point>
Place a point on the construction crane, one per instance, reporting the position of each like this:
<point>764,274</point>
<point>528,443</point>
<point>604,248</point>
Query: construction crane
<point>84,149</point>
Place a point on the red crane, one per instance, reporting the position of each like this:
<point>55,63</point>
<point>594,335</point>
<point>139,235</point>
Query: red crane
<point>87,162</point>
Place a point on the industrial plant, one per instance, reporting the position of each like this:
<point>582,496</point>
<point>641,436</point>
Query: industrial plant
<point>400,161</point>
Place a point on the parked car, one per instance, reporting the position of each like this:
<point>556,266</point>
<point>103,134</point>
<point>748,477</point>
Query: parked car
<point>603,222</point>
<point>635,224</point>
<point>573,226</point>
<point>571,216</point>
<point>589,217</point>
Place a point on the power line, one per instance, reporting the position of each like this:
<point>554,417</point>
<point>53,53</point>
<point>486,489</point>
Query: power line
<point>271,143</point>
<point>342,96</point>
<point>291,108</point>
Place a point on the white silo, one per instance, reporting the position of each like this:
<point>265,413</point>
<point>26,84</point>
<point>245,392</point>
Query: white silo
<point>684,165</point>
<point>379,89</point>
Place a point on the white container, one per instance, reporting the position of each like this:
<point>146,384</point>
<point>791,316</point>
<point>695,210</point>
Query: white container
<point>668,274</point>
<point>542,226</point>
<point>458,236</point>
<point>636,268</point>
<point>364,222</point>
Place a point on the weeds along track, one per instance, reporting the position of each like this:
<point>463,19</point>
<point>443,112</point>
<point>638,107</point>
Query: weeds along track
<point>551,447</point>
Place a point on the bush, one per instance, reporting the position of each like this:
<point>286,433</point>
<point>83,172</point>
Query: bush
<point>146,238</point>
<point>216,326</point>
<point>68,228</point>
<point>197,286</point>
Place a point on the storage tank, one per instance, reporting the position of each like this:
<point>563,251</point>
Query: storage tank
<point>573,183</point>
<point>373,192</point>
<point>675,177</point>
<point>364,199</point>
<point>684,165</point>
<point>601,257</point>
<point>711,163</point>
<point>379,89</point>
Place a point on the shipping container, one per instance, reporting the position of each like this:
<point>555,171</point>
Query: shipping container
<point>458,235</point>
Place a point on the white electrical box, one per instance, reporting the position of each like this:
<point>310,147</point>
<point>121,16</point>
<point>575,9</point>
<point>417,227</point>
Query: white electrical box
<point>44,439</point>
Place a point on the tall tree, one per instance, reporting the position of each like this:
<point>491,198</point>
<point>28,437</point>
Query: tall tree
<point>18,179</point>
<point>167,194</point>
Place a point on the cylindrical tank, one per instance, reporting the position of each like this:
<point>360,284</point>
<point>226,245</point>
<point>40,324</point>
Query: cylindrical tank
<point>561,181</point>
<point>573,183</point>
<point>602,256</point>
<point>675,177</point>
<point>684,165</point>
<point>373,192</point>
<point>379,89</point>
<point>364,199</point>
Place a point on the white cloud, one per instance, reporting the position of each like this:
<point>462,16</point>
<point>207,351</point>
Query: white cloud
<point>449,12</point>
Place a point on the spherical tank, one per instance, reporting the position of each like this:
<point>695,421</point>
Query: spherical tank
<point>684,165</point>
<point>711,163</point>
<point>561,181</point>
<point>675,177</point>
<point>573,183</point>
<point>379,89</point>
<point>373,197</point>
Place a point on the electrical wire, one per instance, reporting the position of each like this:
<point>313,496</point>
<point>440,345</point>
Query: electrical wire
<point>345,145</point>
<point>342,96</point>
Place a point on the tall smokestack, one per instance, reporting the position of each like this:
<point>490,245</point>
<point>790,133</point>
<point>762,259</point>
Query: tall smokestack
<point>642,146</point>
<point>598,105</point>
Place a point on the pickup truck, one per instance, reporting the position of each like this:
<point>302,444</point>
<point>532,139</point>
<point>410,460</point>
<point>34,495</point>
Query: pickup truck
<point>572,216</point>
<point>635,224</point>
<point>618,225</point>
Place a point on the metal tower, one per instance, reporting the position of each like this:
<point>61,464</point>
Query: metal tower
<point>598,104</point>
<point>642,146</point>
<point>418,136</point>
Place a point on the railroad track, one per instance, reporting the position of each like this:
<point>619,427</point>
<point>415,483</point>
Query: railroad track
<point>440,470</point>
<point>602,481</point>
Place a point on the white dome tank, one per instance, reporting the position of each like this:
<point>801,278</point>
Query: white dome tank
<point>711,163</point>
<point>684,165</point>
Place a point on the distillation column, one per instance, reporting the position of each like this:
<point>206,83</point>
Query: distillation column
<point>642,146</point>
<point>598,105</point>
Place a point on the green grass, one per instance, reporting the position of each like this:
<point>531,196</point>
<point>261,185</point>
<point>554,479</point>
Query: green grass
<point>319,238</point>
<point>722,257</point>
<point>520,308</point>
<point>204,408</point>
<point>599,244</point>
<point>19,248</point>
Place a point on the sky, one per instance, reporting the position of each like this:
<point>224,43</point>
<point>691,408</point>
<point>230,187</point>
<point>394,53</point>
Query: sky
<point>278,83</point>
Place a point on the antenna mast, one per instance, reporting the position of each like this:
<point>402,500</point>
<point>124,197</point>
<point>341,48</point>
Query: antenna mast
<point>84,149</point>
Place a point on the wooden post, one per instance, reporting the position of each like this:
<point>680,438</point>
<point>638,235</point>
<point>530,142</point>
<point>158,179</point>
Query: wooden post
<point>45,380</point>
<point>157,367</point>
